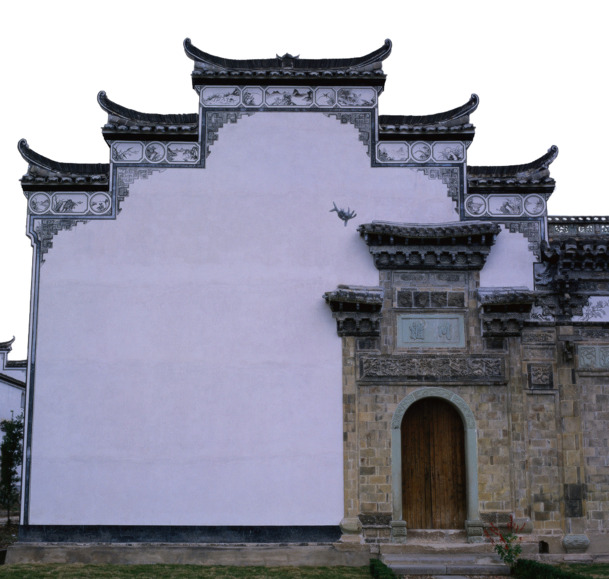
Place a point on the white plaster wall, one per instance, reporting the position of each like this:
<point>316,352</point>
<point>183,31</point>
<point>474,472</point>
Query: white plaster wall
<point>510,263</point>
<point>188,370</point>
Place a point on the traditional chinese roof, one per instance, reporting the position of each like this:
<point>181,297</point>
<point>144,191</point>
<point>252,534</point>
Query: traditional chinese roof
<point>458,245</point>
<point>453,124</point>
<point>127,124</point>
<point>44,173</point>
<point>509,299</point>
<point>504,311</point>
<point>356,309</point>
<point>396,233</point>
<point>530,177</point>
<point>210,69</point>
<point>359,295</point>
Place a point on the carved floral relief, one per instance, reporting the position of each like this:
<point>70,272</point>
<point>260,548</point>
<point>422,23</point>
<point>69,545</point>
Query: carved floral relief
<point>356,97</point>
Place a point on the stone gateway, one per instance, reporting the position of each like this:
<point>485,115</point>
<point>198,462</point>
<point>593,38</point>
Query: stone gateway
<point>186,383</point>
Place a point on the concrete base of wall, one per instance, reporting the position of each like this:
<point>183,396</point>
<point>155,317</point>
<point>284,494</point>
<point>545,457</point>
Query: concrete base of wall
<point>270,555</point>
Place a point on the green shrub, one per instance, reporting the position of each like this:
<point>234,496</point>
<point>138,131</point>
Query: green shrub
<point>379,570</point>
<point>527,569</point>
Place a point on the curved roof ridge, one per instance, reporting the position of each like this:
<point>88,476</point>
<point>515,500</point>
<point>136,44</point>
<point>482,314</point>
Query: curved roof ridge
<point>539,167</point>
<point>211,62</point>
<point>457,113</point>
<point>8,345</point>
<point>115,109</point>
<point>38,160</point>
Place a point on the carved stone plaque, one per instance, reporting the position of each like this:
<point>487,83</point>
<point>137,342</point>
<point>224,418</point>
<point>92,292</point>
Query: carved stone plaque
<point>593,357</point>
<point>431,331</point>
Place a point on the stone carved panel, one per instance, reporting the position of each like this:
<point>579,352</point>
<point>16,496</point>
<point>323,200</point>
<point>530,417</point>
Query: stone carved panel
<point>593,357</point>
<point>490,369</point>
<point>540,376</point>
<point>431,330</point>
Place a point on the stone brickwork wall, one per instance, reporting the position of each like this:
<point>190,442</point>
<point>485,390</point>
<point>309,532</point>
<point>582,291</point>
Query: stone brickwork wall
<point>544,476</point>
<point>595,422</point>
<point>539,399</point>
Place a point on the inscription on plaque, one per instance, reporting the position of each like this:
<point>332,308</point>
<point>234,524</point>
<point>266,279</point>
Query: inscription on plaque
<point>431,331</point>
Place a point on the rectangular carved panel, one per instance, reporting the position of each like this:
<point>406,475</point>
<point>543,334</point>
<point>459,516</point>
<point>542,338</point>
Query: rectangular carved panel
<point>540,376</point>
<point>593,357</point>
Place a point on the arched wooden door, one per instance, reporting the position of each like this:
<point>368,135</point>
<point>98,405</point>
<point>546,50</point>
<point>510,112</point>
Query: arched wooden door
<point>433,466</point>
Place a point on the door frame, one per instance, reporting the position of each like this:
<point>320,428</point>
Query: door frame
<point>471,449</point>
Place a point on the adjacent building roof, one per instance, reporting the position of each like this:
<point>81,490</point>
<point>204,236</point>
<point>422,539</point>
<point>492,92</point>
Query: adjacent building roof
<point>128,124</point>
<point>530,177</point>
<point>578,226</point>
<point>210,69</point>
<point>453,124</point>
<point>8,345</point>
<point>44,173</point>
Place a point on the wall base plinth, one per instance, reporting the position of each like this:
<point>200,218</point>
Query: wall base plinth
<point>269,555</point>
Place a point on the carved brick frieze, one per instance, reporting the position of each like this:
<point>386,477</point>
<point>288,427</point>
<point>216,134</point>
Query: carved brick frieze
<point>430,299</point>
<point>529,353</point>
<point>540,376</point>
<point>591,333</point>
<point>448,279</point>
<point>538,336</point>
<point>356,309</point>
<point>461,246</point>
<point>428,368</point>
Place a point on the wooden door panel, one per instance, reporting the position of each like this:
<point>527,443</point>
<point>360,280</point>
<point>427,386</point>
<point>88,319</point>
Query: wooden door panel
<point>433,466</point>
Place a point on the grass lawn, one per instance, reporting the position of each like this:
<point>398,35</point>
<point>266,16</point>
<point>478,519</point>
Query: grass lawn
<point>182,571</point>
<point>594,570</point>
